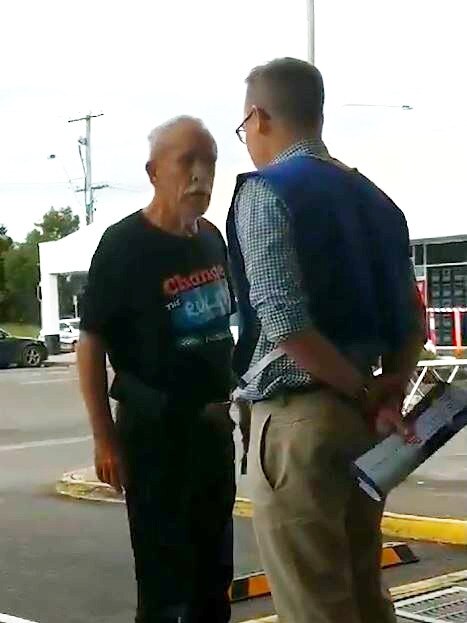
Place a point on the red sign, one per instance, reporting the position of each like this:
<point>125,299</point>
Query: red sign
<point>421,285</point>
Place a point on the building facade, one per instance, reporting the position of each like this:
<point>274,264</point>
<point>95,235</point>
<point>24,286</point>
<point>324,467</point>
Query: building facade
<point>441,271</point>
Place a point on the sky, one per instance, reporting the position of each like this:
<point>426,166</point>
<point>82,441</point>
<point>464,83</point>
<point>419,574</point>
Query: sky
<point>143,62</point>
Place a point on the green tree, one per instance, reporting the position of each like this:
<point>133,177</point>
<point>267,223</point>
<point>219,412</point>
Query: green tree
<point>22,266</point>
<point>4,235</point>
<point>56,224</point>
<point>5,245</point>
<point>22,276</point>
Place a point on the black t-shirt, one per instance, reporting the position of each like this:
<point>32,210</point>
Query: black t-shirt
<point>162,304</point>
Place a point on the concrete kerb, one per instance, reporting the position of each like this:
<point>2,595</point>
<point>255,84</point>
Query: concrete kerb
<point>79,485</point>
<point>272,619</point>
<point>404,591</point>
<point>419,528</point>
<point>401,526</point>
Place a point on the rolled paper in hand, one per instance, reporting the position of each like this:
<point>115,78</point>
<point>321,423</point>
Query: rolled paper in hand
<point>435,419</point>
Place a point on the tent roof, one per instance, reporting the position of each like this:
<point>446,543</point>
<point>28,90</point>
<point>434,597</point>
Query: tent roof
<point>72,253</point>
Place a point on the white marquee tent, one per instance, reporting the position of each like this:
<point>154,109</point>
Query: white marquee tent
<point>72,254</point>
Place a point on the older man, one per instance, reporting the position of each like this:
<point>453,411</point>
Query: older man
<point>158,303</point>
<point>320,258</point>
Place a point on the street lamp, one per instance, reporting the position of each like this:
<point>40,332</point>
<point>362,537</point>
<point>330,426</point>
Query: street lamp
<point>310,4</point>
<point>59,161</point>
<point>65,172</point>
<point>399,106</point>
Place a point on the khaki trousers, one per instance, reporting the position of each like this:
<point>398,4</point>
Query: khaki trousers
<point>318,533</point>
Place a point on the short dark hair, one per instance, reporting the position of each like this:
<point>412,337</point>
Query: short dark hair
<point>290,89</point>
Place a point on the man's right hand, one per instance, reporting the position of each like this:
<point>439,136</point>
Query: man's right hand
<point>107,460</point>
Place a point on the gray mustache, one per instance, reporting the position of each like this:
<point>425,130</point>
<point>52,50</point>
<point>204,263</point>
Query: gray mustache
<point>199,191</point>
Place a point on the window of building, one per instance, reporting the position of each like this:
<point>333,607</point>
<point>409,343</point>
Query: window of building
<point>447,253</point>
<point>418,254</point>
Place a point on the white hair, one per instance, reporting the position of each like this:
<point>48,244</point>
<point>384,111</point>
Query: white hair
<point>156,135</point>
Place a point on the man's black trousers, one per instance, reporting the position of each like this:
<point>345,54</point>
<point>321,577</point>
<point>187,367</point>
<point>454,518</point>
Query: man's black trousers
<point>180,492</point>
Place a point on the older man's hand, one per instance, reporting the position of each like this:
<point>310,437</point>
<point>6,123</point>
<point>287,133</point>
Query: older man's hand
<point>107,461</point>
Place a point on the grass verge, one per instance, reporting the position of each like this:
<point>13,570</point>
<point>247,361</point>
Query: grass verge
<point>20,330</point>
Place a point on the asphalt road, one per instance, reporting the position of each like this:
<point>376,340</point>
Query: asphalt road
<point>62,560</point>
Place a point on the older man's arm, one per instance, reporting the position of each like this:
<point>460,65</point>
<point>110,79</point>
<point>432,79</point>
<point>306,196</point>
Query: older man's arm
<point>101,304</point>
<point>94,388</point>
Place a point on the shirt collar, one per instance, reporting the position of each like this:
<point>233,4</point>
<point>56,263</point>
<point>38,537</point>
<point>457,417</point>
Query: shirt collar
<point>306,147</point>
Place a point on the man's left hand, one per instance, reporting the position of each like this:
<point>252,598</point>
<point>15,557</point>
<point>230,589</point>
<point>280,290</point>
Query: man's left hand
<point>383,389</point>
<point>389,419</point>
<point>383,407</point>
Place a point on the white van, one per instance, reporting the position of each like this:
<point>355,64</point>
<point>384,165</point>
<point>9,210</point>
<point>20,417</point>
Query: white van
<point>69,333</point>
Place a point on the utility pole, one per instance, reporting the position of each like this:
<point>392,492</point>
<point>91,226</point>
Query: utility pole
<point>87,167</point>
<point>310,5</point>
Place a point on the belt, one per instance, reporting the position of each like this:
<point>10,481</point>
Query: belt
<point>285,393</point>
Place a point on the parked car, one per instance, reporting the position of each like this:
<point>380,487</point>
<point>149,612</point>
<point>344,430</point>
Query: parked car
<point>69,333</point>
<point>21,351</point>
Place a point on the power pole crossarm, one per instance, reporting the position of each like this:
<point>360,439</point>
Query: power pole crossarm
<point>94,187</point>
<point>101,114</point>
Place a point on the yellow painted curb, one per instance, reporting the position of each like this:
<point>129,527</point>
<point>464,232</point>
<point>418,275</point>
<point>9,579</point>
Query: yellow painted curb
<point>272,619</point>
<point>429,585</point>
<point>413,527</point>
<point>243,508</point>
<point>404,591</point>
<point>394,525</point>
<point>79,489</point>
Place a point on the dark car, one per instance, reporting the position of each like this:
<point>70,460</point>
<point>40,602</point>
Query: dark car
<point>21,351</point>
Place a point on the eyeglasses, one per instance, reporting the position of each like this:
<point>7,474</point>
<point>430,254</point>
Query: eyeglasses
<point>241,131</point>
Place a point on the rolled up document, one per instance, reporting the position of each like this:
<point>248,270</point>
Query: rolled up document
<point>436,418</point>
